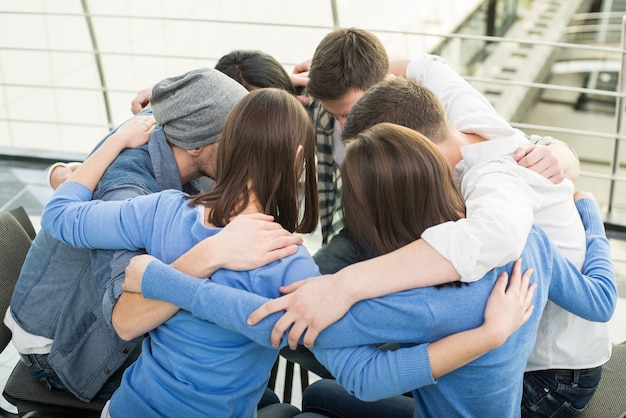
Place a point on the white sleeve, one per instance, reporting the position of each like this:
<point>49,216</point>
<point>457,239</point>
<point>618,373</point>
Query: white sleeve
<point>466,108</point>
<point>500,211</point>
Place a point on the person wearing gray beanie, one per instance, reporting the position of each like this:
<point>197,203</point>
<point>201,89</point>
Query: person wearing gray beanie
<point>88,358</point>
<point>192,107</point>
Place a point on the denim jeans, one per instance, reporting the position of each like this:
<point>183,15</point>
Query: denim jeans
<point>327,398</point>
<point>271,407</point>
<point>553,394</point>
<point>39,368</point>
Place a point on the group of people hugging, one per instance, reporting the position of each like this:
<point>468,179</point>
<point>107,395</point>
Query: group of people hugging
<point>460,274</point>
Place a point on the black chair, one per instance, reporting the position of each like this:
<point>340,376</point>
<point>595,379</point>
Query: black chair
<point>288,383</point>
<point>609,401</point>
<point>31,398</point>
<point>20,214</point>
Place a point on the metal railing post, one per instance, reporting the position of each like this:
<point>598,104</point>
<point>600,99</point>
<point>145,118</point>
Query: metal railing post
<point>619,111</point>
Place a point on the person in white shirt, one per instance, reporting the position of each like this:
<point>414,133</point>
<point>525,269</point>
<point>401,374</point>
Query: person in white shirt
<point>503,201</point>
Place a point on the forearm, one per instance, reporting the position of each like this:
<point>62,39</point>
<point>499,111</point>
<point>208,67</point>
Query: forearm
<point>371,374</point>
<point>134,315</point>
<point>457,350</point>
<point>592,293</point>
<point>414,265</point>
<point>91,171</point>
<point>200,261</point>
<point>397,67</point>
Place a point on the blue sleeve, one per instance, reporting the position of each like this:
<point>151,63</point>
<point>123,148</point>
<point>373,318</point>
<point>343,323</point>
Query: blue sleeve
<point>596,284</point>
<point>227,307</point>
<point>71,217</point>
<point>391,318</point>
<point>371,374</point>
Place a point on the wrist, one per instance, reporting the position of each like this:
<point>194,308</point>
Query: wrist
<point>492,336</point>
<point>346,286</point>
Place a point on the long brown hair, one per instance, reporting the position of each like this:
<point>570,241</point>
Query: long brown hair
<point>257,151</point>
<point>396,184</point>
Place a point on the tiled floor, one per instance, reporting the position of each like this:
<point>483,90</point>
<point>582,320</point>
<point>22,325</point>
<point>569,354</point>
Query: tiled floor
<point>24,184</point>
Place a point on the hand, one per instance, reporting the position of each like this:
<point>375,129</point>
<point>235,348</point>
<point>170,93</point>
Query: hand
<point>60,173</point>
<point>299,79</point>
<point>582,195</point>
<point>135,132</point>
<point>303,67</point>
<point>541,160</point>
<point>247,242</point>
<point>508,308</point>
<point>134,272</point>
<point>310,306</point>
<point>141,100</point>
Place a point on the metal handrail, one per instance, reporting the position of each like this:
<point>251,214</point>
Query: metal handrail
<point>610,52</point>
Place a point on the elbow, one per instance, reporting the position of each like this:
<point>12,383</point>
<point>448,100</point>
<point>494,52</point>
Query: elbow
<point>358,387</point>
<point>367,395</point>
<point>123,328</point>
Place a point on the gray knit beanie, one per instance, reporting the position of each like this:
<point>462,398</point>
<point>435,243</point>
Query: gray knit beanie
<point>193,107</point>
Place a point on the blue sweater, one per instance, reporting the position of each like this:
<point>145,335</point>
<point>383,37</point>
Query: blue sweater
<point>197,368</point>
<point>491,386</point>
<point>188,367</point>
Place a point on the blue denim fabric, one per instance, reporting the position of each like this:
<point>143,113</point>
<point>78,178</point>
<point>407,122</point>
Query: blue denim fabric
<point>61,296</point>
<point>40,369</point>
<point>328,398</point>
<point>56,297</point>
<point>547,394</point>
<point>271,407</point>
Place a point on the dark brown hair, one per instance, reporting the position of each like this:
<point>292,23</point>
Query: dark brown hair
<point>403,102</point>
<point>254,70</point>
<point>257,151</point>
<point>346,59</point>
<point>396,184</point>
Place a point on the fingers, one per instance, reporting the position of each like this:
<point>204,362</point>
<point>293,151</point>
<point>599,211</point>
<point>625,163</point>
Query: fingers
<point>265,310</point>
<point>292,287</point>
<point>279,253</point>
<point>500,286</point>
<point>280,327</point>
<point>530,290</point>
<point>296,332</point>
<point>309,337</point>
<point>522,151</point>
<point>516,275</point>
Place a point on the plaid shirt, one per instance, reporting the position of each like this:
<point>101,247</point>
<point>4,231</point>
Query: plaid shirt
<point>328,176</point>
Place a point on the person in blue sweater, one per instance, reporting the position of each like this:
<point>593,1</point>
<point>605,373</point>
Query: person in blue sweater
<point>394,168</point>
<point>193,367</point>
<point>190,367</point>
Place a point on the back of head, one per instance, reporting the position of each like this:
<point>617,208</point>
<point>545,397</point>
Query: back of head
<point>403,102</point>
<point>257,154</point>
<point>395,184</point>
<point>254,70</point>
<point>346,59</point>
<point>192,107</point>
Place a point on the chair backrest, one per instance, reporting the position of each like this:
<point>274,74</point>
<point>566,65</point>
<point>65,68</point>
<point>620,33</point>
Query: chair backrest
<point>20,214</point>
<point>14,244</point>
